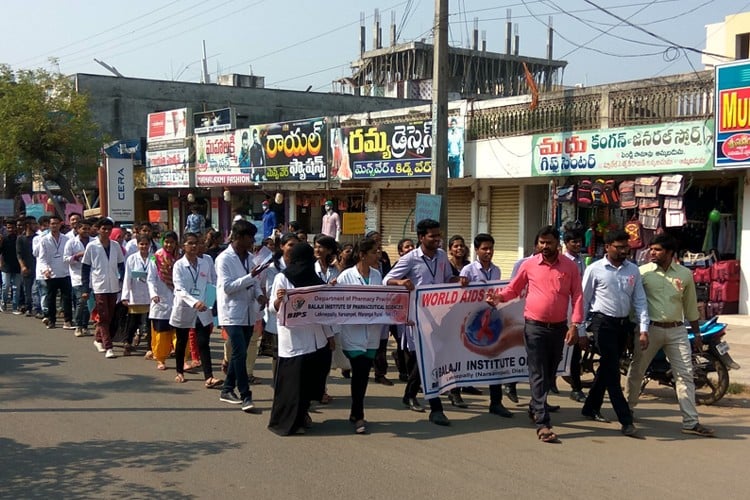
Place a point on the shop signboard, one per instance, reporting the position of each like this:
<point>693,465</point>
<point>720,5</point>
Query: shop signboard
<point>732,93</point>
<point>216,161</point>
<point>678,147</point>
<point>120,189</point>
<point>293,151</point>
<point>168,168</point>
<point>217,120</point>
<point>172,125</point>
<point>384,151</point>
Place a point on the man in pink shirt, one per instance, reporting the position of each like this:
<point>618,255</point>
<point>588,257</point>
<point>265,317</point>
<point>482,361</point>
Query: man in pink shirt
<point>553,282</point>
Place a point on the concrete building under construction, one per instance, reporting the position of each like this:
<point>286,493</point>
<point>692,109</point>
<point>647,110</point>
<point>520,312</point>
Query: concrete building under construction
<point>405,70</point>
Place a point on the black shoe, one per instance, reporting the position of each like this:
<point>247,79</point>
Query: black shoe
<point>383,380</point>
<point>230,397</point>
<point>457,400</point>
<point>413,404</point>
<point>248,406</point>
<point>596,417</point>
<point>346,373</point>
<point>471,390</point>
<point>403,377</point>
<point>439,418</point>
<point>629,430</point>
<point>500,411</point>
<point>511,393</point>
<point>554,388</point>
<point>578,396</point>
<point>553,408</point>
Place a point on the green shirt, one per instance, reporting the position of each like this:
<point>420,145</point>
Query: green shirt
<point>671,294</point>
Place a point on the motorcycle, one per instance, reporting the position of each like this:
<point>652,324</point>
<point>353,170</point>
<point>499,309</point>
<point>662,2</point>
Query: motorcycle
<point>711,364</point>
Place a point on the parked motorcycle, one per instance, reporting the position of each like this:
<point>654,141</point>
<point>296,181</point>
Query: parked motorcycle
<point>711,365</point>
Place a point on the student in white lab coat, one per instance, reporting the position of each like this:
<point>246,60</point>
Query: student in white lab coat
<point>160,289</point>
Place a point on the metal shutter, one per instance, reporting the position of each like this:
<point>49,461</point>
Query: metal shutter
<point>505,226</point>
<point>397,217</point>
<point>459,215</point>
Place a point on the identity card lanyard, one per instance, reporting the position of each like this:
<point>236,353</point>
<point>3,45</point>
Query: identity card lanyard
<point>194,292</point>
<point>433,272</point>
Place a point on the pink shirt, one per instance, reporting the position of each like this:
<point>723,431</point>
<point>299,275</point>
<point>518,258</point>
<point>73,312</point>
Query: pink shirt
<point>550,289</point>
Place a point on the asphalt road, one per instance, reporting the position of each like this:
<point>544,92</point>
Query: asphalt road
<point>76,425</point>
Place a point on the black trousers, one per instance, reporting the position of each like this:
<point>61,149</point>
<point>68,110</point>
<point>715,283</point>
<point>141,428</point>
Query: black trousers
<point>203,334</point>
<point>610,335</point>
<point>380,363</point>
<point>360,373</point>
<point>414,381</point>
<point>63,286</point>
<point>544,347</point>
<point>575,369</point>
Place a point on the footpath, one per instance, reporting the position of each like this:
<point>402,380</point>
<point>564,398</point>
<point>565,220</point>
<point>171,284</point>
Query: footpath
<point>738,337</point>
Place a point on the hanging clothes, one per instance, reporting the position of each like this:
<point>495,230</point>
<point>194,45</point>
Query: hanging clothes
<point>727,236</point>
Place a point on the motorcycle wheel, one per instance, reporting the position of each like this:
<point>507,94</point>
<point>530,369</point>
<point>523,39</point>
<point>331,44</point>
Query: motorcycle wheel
<point>711,379</point>
<point>589,365</point>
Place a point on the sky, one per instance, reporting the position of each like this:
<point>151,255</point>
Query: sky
<point>297,44</point>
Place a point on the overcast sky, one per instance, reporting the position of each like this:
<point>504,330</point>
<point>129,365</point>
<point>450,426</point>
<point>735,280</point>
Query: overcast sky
<point>295,44</point>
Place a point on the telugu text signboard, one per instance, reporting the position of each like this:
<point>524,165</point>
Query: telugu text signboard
<point>732,93</point>
<point>168,168</point>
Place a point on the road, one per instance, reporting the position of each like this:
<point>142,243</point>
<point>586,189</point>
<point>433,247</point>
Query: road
<point>76,425</point>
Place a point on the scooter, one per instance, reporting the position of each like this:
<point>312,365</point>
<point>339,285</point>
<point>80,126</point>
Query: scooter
<point>711,364</point>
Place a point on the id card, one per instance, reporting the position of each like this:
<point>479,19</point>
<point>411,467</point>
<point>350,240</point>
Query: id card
<point>195,292</point>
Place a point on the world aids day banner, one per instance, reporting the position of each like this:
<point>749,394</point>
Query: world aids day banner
<point>345,305</point>
<point>461,340</point>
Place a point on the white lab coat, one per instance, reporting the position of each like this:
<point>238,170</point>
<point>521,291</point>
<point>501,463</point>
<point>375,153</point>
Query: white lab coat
<point>190,288</point>
<point>236,289</point>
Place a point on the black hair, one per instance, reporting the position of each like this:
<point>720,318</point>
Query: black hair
<point>483,238</point>
<point>189,234</point>
<point>362,246</point>
<point>400,246</point>
<point>572,235</point>
<point>547,231</point>
<point>285,238</point>
<point>615,235</point>
<point>105,221</point>
<point>425,225</point>
<point>666,241</point>
<point>455,238</point>
<point>330,244</point>
<point>242,228</point>
<point>143,237</point>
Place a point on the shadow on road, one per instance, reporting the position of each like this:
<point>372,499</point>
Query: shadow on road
<point>91,469</point>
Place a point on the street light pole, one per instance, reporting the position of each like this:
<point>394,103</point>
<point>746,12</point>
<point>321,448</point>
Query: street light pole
<point>439,177</point>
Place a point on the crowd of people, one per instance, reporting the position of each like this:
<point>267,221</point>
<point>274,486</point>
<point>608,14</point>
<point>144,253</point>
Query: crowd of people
<point>168,294</point>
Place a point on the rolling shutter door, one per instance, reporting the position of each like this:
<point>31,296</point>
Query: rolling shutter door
<point>397,217</point>
<point>459,215</point>
<point>504,227</point>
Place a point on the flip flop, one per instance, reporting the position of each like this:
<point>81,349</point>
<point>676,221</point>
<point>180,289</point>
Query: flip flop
<point>161,366</point>
<point>213,383</point>
<point>546,435</point>
<point>179,378</point>
<point>326,399</point>
<point>360,427</point>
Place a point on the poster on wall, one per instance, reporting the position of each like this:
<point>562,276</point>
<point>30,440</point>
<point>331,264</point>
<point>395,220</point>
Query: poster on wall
<point>679,146</point>
<point>732,91</point>
<point>168,168</point>
<point>384,151</point>
<point>455,147</point>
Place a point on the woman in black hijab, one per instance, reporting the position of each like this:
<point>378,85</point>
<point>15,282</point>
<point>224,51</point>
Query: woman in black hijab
<point>304,351</point>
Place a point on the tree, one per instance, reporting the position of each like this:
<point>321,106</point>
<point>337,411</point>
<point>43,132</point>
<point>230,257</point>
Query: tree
<point>47,130</point>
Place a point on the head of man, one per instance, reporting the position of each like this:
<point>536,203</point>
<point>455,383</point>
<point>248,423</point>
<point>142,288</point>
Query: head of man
<point>104,229</point>
<point>190,245</point>
<point>484,247</point>
<point>547,242</point>
<point>329,206</point>
<point>429,236</point>
<point>74,218</point>
<point>616,246</point>
<point>265,205</point>
<point>10,227</point>
<point>255,136</point>
<point>573,241</point>
<point>662,250</point>
<point>243,236</point>
<point>55,223</point>
<point>83,229</point>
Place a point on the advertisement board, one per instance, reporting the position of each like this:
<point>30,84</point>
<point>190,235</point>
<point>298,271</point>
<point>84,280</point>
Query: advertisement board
<point>168,168</point>
<point>172,125</point>
<point>732,91</point>
<point>679,146</point>
<point>120,189</point>
<point>216,161</point>
<point>217,120</point>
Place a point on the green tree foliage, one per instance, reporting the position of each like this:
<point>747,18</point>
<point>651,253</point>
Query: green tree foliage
<point>47,130</point>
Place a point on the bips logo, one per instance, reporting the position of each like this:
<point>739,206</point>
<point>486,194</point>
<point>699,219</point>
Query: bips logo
<point>297,304</point>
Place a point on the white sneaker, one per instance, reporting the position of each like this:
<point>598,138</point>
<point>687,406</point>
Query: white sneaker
<point>110,354</point>
<point>79,332</point>
<point>99,346</point>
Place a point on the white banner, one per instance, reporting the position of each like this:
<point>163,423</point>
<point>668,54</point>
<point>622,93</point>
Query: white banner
<point>462,341</point>
<point>345,305</point>
<point>168,168</point>
<point>120,189</point>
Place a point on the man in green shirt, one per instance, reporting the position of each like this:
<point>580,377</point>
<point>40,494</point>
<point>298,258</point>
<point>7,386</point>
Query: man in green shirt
<point>670,292</point>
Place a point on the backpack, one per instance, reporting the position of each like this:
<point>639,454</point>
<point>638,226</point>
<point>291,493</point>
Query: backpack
<point>633,228</point>
<point>599,194</point>
<point>646,186</point>
<point>584,193</point>
<point>627,195</point>
<point>650,218</point>
<point>565,194</point>
<point>671,185</point>
<point>611,191</point>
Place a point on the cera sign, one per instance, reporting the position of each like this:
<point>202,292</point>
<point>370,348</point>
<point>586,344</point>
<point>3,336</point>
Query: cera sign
<point>732,91</point>
<point>120,189</point>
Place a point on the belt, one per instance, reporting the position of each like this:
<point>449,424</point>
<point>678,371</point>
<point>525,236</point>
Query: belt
<point>559,324</point>
<point>613,319</point>
<point>667,324</point>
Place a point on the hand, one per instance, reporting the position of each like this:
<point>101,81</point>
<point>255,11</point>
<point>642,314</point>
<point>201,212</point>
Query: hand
<point>124,302</point>
<point>331,343</point>
<point>698,342</point>
<point>406,283</point>
<point>463,280</point>
<point>262,300</point>
<point>643,341</point>
<point>85,296</point>
<point>155,299</point>
<point>583,342</point>
<point>571,337</point>
<point>47,274</point>
<point>493,298</point>
<point>200,306</point>
<point>280,293</point>
<point>333,281</point>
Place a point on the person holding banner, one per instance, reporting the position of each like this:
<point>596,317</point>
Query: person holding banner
<point>553,282</point>
<point>304,352</point>
<point>483,270</point>
<point>360,342</point>
<point>426,265</point>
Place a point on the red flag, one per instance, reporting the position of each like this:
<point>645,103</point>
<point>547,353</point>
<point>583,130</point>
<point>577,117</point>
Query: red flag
<point>532,87</point>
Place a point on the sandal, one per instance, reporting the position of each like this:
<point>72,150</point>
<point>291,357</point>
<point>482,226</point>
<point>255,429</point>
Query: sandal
<point>179,378</point>
<point>255,380</point>
<point>360,427</point>
<point>161,366</point>
<point>326,399</point>
<point>546,435</point>
<point>149,355</point>
<point>127,350</point>
<point>213,383</point>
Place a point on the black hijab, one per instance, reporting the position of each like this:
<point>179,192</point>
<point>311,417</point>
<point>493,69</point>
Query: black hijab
<point>301,268</point>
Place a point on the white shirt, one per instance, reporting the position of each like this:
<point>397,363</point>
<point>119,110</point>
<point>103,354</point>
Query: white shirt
<point>104,273</point>
<point>331,273</point>
<point>297,340</point>
<point>51,251</point>
<point>72,247</point>
<point>190,285</point>
<point>236,289</point>
<point>135,290</point>
<point>359,337</point>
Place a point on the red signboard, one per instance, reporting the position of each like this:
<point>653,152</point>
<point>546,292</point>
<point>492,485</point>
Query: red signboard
<point>734,109</point>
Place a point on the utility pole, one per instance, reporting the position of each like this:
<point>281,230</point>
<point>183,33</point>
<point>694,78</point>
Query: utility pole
<point>439,177</point>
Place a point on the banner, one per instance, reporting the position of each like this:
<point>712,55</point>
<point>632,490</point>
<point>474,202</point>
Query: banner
<point>461,340</point>
<point>383,151</point>
<point>292,151</point>
<point>169,125</point>
<point>677,147</point>
<point>732,91</point>
<point>217,120</point>
<point>120,189</point>
<point>345,305</point>
<point>167,168</point>
<point>216,161</point>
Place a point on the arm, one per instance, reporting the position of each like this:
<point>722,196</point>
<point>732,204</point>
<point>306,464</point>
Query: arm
<point>21,252</point>
<point>126,285</point>
<point>640,304</point>
<point>338,227</point>
<point>151,281</point>
<point>588,287</point>
<point>182,285</point>
<point>397,275</point>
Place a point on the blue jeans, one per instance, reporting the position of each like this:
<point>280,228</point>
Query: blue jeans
<point>81,314</point>
<point>239,335</point>
<point>11,285</point>
<point>40,296</point>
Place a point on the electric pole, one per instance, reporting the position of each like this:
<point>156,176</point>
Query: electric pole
<point>439,177</point>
